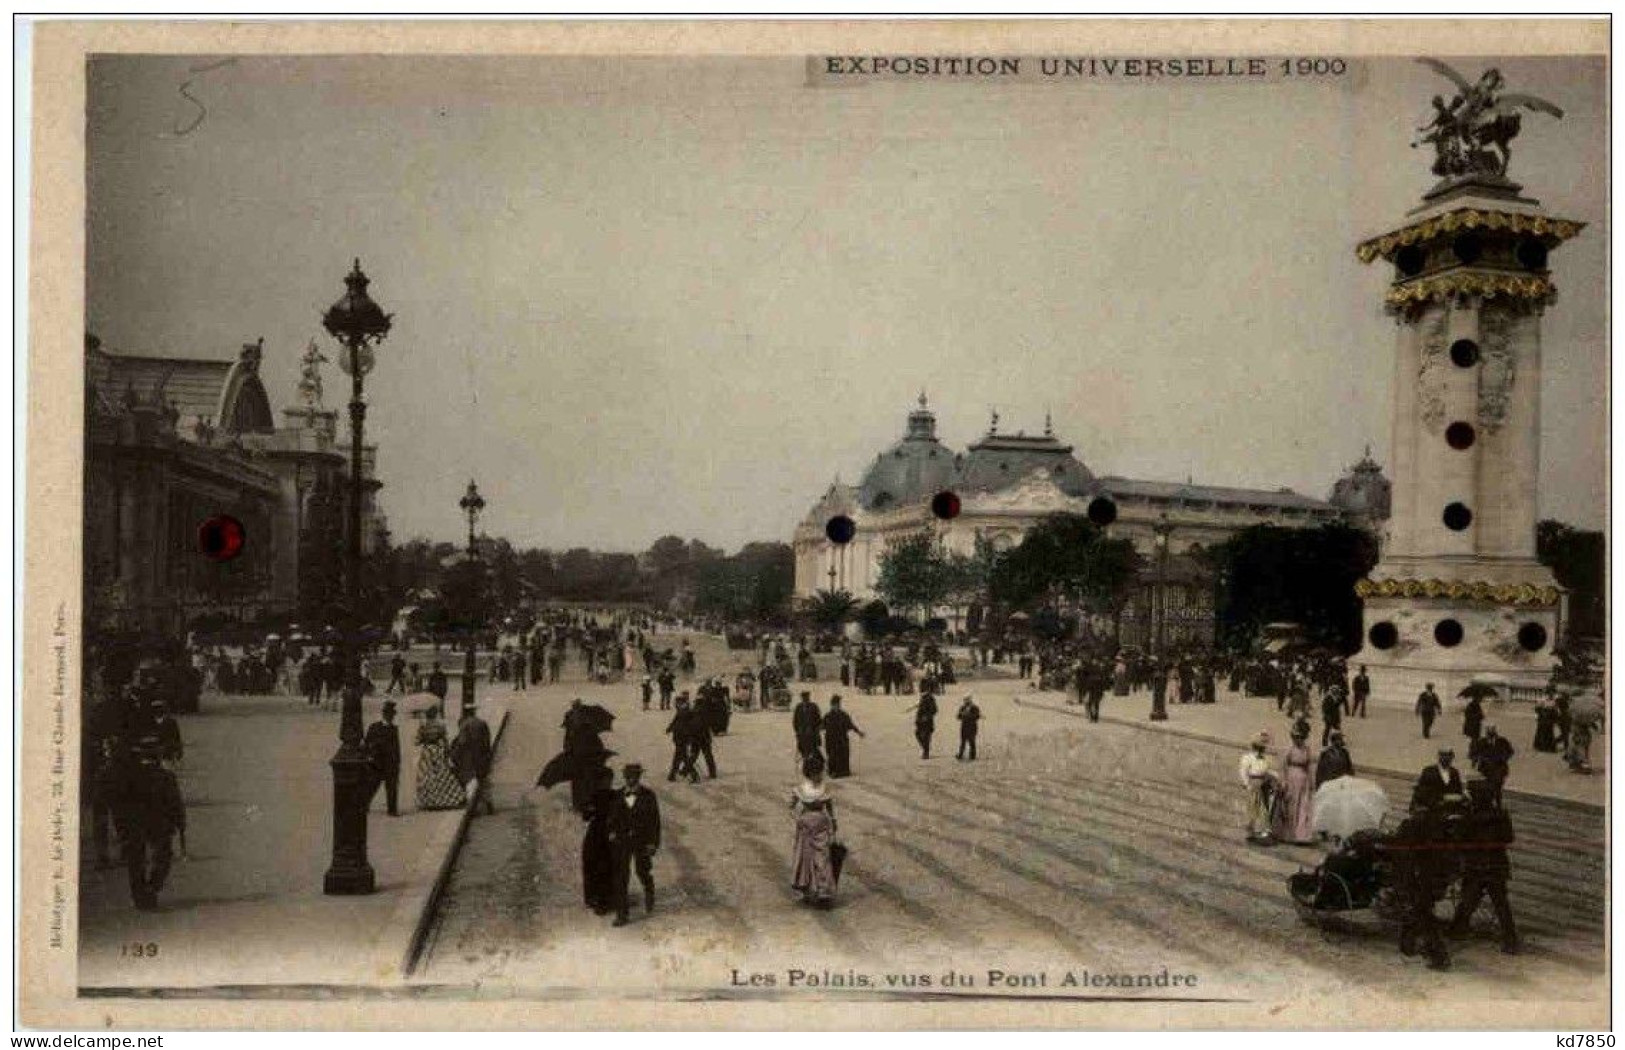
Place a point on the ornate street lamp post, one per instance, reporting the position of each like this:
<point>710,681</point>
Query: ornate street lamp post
<point>359,324</point>
<point>472,503</point>
<point>1159,615</point>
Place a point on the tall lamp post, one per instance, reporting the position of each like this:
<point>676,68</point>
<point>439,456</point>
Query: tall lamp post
<point>472,503</point>
<point>359,324</point>
<point>1159,596</point>
<point>1159,615</point>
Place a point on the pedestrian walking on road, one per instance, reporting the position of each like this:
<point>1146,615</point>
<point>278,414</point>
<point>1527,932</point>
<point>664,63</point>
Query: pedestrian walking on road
<point>813,872</point>
<point>1332,704</point>
<point>1334,761</point>
<point>1256,778</point>
<point>397,675</point>
<point>806,721</point>
<point>1491,755</point>
<point>1484,834</point>
<point>597,852</point>
<point>149,814</point>
<point>1361,691</point>
<point>1427,709</point>
<point>519,671</point>
<point>1472,719</point>
<point>838,727</point>
<point>634,834</point>
<point>970,718</point>
<point>383,746</point>
<point>471,755</point>
<point>438,688</point>
<point>1296,816</point>
<point>925,722</point>
<point>438,786</point>
<point>681,729</point>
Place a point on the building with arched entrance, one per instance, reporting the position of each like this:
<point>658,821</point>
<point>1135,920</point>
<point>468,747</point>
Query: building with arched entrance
<point>173,442</point>
<point>1006,483</point>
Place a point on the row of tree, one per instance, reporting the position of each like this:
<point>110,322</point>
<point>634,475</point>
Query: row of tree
<point>454,591</point>
<point>1260,575</point>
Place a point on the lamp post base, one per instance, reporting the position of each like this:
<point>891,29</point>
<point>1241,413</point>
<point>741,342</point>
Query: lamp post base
<point>349,873</point>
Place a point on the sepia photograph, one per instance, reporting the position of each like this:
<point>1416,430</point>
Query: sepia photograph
<point>1102,536</point>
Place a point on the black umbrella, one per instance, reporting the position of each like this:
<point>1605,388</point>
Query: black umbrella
<point>558,770</point>
<point>1479,690</point>
<point>595,718</point>
<point>837,858</point>
<point>567,765</point>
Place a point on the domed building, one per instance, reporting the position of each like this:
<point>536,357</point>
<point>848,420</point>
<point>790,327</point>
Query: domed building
<point>1007,483</point>
<point>1363,493</point>
<point>917,466</point>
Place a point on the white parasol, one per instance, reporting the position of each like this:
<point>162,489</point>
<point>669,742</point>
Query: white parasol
<point>1348,804</point>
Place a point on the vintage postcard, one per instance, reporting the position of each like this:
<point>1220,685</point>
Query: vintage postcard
<point>989,524</point>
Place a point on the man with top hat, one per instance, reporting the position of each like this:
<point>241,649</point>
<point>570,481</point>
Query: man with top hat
<point>148,813</point>
<point>634,835</point>
<point>383,746</point>
<point>1255,778</point>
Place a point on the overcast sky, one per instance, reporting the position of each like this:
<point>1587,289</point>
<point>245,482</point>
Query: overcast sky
<point>638,297</point>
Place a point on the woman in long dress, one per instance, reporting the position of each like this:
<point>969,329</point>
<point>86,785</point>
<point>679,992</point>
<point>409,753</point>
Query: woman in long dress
<point>438,787</point>
<point>597,853</point>
<point>814,873</point>
<point>1295,820</point>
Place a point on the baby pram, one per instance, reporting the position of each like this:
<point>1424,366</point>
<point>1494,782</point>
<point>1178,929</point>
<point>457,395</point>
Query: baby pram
<point>1354,878</point>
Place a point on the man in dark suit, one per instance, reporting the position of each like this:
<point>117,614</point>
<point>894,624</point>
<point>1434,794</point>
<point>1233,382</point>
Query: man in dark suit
<point>807,722</point>
<point>438,686</point>
<point>1334,760</point>
<point>1421,873</point>
<point>519,670</point>
<point>1437,781</point>
<point>970,718</point>
<point>1486,832</point>
<point>383,747</point>
<point>1361,691</point>
<point>1332,704</point>
<point>925,722</point>
<point>471,755</point>
<point>397,675</point>
<point>634,835</point>
<point>682,729</point>
<point>148,813</point>
<point>1427,709</point>
<point>1491,755</point>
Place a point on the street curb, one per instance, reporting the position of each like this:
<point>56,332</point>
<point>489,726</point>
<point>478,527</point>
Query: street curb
<point>1191,734</point>
<point>427,901</point>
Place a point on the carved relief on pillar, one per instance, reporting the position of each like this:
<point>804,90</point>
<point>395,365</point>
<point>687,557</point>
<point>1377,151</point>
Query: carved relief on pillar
<point>1496,373</point>
<point>1432,371</point>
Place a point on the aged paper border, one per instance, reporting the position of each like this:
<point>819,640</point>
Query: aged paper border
<point>47,977</point>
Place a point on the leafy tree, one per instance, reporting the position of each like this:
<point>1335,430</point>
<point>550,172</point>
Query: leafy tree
<point>914,573</point>
<point>1578,559</point>
<point>1270,574</point>
<point>830,609</point>
<point>1067,560</point>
